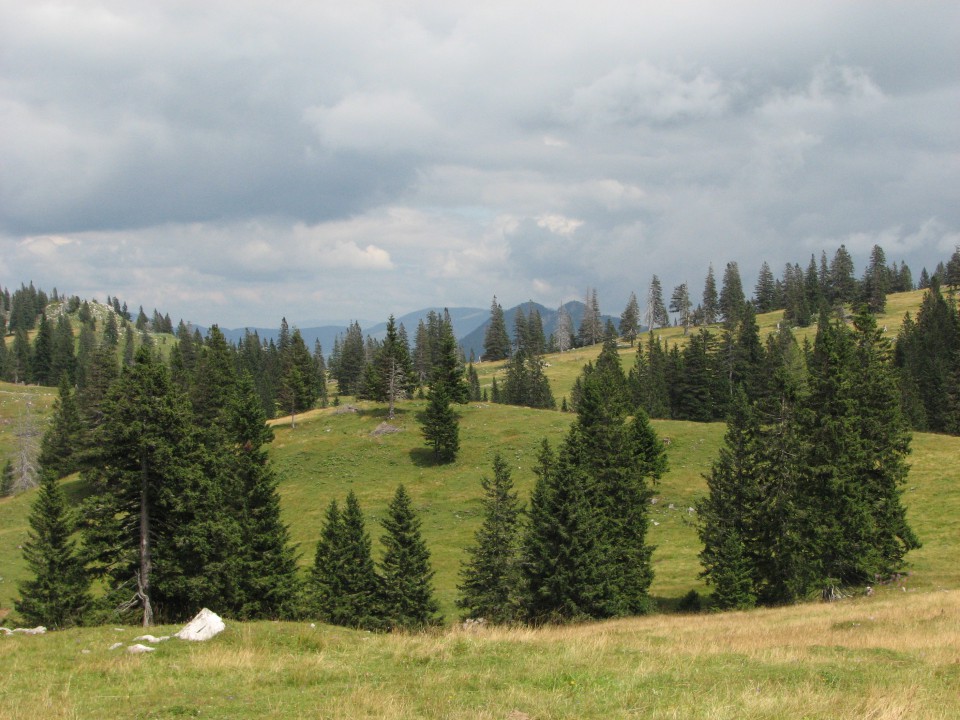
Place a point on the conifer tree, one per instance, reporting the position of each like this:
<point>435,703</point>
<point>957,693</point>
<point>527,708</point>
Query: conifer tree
<point>268,584</point>
<point>561,552</point>
<point>60,447</point>
<point>7,479</point>
<point>630,320</point>
<point>680,304</point>
<point>441,425</point>
<point>765,294</point>
<point>710,304</point>
<point>323,584</point>
<point>732,299</point>
<point>591,328</point>
<point>490,578</point>
<point>57,595</point>
<point>345,583</point>
<point>496,342</point>
<point>142,527</point>
<point>656,315</point>
<point>407,579</point>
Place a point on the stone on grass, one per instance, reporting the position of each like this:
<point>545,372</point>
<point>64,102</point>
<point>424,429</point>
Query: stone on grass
<point>204,626</point>
<point>115,646</point>
<point>139,649</point>
<point>152,639</point>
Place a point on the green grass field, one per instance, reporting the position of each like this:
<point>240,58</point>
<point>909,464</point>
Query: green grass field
<point>892,655</point>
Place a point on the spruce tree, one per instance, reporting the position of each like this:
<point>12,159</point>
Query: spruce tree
<point>323,584</point>
<point>268,584</point>
<point>710,304</point>
<point>680,304</point>
<point>440,425</point>
<point>407,590</point>
<point>59,449</point>
<point>7,479</point>
<point>57,595</point>
<point>732,300</point>
<point>630,320</point>
<point>490,578</point>
<point>496,342</point>
<point>656,315</point>
<point>144,522</point>
<point>561,552</point>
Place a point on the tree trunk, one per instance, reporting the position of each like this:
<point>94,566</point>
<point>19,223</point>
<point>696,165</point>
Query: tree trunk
<point>146,564</point>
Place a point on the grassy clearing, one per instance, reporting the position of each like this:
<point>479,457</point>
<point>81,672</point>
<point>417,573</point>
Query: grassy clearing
<point>874,658</point>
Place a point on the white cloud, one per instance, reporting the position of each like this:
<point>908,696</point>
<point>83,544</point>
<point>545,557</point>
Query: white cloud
<point>559,224</point>
<point>385,122</point>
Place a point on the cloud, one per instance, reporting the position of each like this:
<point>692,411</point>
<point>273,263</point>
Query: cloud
<point>235,162</point>
<point>644,93</point>
<point>374,122</point>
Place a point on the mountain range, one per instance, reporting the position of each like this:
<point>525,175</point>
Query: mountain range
<point>469,326</point>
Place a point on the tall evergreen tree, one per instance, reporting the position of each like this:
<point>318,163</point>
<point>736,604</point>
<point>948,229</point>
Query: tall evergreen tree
<point>630,320</point>
<point>147,491</point>
<point>60,447</point>
<point>496,342</point>
<point>656,315</point>
<point>680,304</point>
<point>765,294</point>
<point>591,325</point>
<point>440,425</point>
<point>710,304</point>
<point>561,552</point>
<point>407,578</point>
<point>876,281</point>
<point>57,595</point>
<point>490,578</point>
<point>732,299</point>
<point>268,584</point>
<point>344,576</point>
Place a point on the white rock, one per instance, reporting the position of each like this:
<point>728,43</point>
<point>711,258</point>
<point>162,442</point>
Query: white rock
<point>38,630</point>
<point>138,649</point>
<point>116,645</point>
<point>152,639</point>
<point>204,626</point>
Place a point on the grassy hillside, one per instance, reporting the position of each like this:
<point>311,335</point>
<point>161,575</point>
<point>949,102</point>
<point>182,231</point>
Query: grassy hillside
<point>892,655</point>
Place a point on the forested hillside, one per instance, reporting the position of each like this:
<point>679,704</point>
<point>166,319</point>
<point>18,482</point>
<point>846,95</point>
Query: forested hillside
<point>176,503</point>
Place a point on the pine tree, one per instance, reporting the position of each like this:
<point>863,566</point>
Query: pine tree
<point>144,523</point>
<point>561,556</point>
<point>57,596</point>
<point>496,342</point>
<point>765,294</point>
<point>731,509</point>
<point>680,304</point>
<point>630,320</point>
<point>60,447</point>
<point>407,591</point>
<point>440,425</point>
<point>656,315</point>
<point>7,479</point>
<point>344,580</point>
<point>268,584</point>
<point>732,299</point>
<point>591,328</point>
<point>710,304</point>
<point>490,578</point>
<point>843,285</point>
<point>876,281</point>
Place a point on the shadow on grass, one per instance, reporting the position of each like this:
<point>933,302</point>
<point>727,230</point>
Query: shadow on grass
<point>424,457</point>
<point>381,413</point>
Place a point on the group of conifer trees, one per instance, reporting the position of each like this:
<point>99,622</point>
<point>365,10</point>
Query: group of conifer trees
<point>805,497</point>
<point>346,587</point>
<point>181,509</point>
<point>580,551</point>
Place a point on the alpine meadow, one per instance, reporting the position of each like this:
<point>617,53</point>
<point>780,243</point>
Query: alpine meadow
<point>743,507</point>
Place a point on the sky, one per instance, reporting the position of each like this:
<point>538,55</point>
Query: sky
<point>233,161</point>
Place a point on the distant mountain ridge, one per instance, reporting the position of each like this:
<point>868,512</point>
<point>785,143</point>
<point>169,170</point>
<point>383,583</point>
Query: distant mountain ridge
<point>469,326</point>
